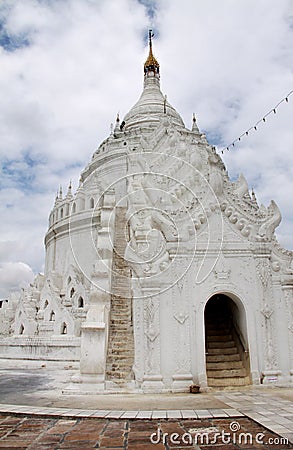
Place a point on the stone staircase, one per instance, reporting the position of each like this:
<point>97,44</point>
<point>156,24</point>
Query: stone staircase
<point>225,367</point>
<point>120,354</point>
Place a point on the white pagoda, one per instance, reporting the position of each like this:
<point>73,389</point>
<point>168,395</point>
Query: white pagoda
<point>160,272</point>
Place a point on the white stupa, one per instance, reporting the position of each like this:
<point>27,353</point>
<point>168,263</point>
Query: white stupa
<point>160,272</point>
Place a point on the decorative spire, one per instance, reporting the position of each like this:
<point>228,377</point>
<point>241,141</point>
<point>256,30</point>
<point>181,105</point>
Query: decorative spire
<point>69,191</point>
<point>194,124</point>
<point>56,199</point>
<point>253,197</point>
<point>151,64</point>
<point>117,125</point>
<point>59,197</point>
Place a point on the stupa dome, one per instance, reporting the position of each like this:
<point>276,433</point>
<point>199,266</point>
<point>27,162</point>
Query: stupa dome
<point>152,105</point>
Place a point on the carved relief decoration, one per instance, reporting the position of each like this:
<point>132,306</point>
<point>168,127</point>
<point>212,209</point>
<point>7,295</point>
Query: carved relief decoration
<point>152,333</point>
<point>221,272</point>
<point>288,296</point>
<point>181,335</point>
<point>264,272</point>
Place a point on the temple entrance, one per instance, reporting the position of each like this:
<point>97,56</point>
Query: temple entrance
<point>227,357</point>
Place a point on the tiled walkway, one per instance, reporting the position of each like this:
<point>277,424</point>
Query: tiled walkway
<point>110,414</point>
<point>36,433</point>
<point>126,421</point>
<point>268,410</point>
<point>272,411</point>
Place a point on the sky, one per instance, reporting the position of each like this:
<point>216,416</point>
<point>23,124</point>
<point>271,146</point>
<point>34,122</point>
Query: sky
<point>68,66</point>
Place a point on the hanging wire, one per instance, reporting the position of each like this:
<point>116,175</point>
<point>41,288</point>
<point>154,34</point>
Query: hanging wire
<point>255,126</point>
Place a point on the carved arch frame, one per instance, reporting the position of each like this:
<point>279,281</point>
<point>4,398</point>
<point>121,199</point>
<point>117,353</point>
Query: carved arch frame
<point>249,317</point>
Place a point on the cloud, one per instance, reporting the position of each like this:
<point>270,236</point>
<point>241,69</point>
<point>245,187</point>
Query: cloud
<point>68,67</point>
<point>13,276</point>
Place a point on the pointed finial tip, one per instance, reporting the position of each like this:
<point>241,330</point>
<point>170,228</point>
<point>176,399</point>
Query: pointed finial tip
<point>194,124</point>
<point>151,35</point>
<point>151,63</point>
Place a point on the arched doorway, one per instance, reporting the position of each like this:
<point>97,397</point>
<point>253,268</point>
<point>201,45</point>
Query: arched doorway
<point>226,346</point>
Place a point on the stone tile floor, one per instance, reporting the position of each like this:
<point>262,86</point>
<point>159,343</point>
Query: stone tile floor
<point>266,408</point>
<point>40,433</point>
<point>33,406</point>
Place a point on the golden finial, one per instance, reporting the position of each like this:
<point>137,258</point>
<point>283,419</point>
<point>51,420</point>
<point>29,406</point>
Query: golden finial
<point>151,62</point>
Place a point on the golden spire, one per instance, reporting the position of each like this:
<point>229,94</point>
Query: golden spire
<point>151,63</point>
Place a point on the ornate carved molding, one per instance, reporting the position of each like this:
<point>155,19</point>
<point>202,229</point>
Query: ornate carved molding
<point>181,317</point>
<point>152,333</point>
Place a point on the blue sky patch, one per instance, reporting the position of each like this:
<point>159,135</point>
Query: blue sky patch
<point>18,174</point>
<point>150,6</point>
<point>214,137</point>
<point>11,43</point>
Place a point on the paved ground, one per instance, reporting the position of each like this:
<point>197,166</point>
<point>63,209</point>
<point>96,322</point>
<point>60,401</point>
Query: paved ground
<point>51,433</point>
<point>34,414</point>
<point>41,387</point>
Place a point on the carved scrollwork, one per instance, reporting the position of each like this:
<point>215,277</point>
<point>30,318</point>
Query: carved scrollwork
<point>273,219</point>
<point>241,186</point>
<point>263,270</point>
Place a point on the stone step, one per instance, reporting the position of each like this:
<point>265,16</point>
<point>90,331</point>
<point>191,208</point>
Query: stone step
<point>117,336</point>
<point>218,332</point>
<point>228,382</point>
<point>223,361</point>
<point>121,365</point>
<point>117,339</point>
<point>121,368</point>
<point>118,287</point>
<point>219,338</point>
<point>121,315</point>
<point>120,354</point>
<point>215,365</point>
<point>222,358</point>
<point>223,351</point>
<point>121,348</point>
<point>118,374</point>
<point>226,373</point>
<point>120,294</point>
<point>120,311</point>
<point>121,318</point>
<point>119,326</point>
<point>220,344</point>
<point>118,350</point>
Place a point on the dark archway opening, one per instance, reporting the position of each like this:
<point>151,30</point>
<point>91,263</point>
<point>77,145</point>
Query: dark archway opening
<point>227,357</point>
